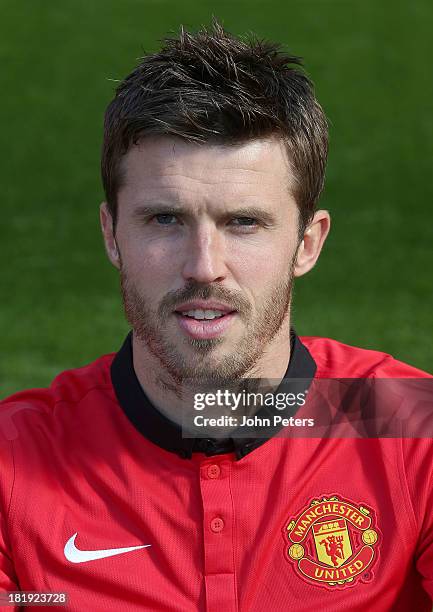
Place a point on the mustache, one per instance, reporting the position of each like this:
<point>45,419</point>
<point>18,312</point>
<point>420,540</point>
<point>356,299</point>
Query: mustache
<point>198,291</point>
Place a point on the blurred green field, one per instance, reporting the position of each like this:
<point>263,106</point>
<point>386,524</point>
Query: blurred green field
<point>371,62</point>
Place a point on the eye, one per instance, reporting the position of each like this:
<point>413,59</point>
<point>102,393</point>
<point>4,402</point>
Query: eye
<point>244,221</point>
<point>165,219</point>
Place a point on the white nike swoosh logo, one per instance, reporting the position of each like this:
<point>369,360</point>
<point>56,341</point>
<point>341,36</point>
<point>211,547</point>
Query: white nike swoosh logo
<point>74,555</point>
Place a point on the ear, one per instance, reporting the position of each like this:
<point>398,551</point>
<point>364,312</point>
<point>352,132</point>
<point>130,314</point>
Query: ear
<point>312,242</point>
<point>107,227</point>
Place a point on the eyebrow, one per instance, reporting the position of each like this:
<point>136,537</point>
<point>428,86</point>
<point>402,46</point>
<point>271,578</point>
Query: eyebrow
<point>254,212</point>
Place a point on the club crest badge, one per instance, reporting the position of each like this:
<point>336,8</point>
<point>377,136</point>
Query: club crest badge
<point>333,543</point>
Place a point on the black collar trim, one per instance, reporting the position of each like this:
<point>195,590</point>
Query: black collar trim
<point>157,428</point>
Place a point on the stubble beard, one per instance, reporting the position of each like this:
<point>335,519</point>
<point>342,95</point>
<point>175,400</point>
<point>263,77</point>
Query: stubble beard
<point>198,364</point>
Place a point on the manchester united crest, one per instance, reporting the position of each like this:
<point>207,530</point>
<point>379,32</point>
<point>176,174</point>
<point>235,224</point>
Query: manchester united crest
<point>333,542</point>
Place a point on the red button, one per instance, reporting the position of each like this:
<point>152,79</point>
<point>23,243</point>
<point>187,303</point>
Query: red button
<point>214,471</point>
<point>217,524</point>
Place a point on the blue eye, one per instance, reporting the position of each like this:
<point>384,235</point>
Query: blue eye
<point>165,219</point>
<point>245,221</point>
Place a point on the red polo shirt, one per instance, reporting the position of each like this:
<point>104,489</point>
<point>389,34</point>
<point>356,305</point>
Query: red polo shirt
<point>104,501</point>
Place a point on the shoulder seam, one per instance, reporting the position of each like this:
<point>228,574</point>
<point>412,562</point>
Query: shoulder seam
<point>66,400</point>
<point>13,479</point>
<point>406,490</point>
<point>378,365</point>
<point>8,509</point>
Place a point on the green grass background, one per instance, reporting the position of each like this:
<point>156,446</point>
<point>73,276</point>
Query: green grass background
<point>371,62</point>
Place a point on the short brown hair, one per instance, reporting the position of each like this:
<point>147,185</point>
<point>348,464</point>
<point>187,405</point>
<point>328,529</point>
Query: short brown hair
<point>212,86</point>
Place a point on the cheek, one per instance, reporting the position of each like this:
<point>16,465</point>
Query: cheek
<point>150,265</point>
<point>264,264</point>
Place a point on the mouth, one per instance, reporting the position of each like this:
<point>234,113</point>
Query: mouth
<point>205,320</point>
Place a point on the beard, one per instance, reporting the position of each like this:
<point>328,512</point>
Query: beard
<point>195,361</point>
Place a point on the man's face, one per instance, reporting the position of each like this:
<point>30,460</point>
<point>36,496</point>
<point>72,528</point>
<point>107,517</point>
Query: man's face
<point>207,237</point>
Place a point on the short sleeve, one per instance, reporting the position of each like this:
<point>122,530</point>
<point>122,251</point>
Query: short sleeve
<point>418,457</point>
<point>424,558</point>
<point>8,579</point>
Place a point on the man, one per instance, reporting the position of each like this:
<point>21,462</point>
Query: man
<point>213,162</point>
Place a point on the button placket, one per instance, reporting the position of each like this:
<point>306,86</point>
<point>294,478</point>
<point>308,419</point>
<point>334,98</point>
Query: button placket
<point>219,571</point>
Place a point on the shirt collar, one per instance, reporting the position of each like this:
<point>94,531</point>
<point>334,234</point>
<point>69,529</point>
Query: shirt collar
<point>160,430</point>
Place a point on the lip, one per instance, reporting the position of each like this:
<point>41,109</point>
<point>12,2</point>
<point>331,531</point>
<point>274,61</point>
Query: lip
<point>204,305</point>
<point>204,329</point>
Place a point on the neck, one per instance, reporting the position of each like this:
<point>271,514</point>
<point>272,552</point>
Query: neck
<point>171,398</point>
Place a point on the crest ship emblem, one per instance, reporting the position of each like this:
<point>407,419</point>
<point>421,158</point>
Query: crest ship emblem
<point>333,543</point>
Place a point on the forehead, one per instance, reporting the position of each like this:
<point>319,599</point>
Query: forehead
<point>183,169</point>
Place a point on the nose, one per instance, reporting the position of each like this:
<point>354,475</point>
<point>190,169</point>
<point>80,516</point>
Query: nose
<point>205,256</point>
